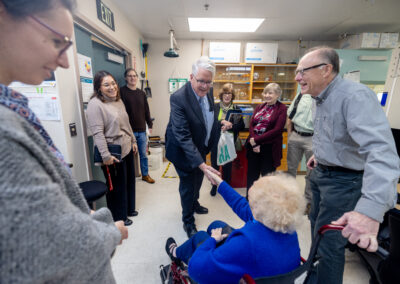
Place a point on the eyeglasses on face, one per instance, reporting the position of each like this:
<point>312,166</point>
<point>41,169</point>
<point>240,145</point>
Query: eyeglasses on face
<point>301,71</point>
<point>131,76</point>
<point>202,82</point>
<point>108,85</point>
<point>63,43</point>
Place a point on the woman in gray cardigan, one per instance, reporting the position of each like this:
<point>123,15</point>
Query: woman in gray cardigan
<point>47,232</point>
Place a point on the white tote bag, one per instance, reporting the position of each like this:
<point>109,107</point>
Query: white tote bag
<point>226,149</point>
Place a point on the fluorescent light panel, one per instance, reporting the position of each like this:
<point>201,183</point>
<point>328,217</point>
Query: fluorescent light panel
<point>226,25</point>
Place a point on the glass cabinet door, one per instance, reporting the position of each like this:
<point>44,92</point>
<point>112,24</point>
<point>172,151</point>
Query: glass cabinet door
<point>238,76</point>
<point>282,74</point>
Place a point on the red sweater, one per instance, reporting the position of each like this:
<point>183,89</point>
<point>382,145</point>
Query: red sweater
<point>273,134</point>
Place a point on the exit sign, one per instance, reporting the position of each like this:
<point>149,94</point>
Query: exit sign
<point>105,14</point>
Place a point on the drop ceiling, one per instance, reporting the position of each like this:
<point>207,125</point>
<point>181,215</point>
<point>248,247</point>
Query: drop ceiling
<point>285,19</point>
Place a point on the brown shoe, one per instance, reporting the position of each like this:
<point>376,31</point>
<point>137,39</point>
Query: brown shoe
<point>148,179</point>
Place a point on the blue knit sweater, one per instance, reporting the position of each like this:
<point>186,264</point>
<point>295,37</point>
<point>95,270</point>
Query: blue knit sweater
<point>253,249</point>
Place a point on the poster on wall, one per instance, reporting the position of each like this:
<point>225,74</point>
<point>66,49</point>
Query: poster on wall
<point>353,76</point>
<point>260,52</point>
<point>43,99</point>
<point>85,66</point>
<point>87,89</point>
<point>228,52</point>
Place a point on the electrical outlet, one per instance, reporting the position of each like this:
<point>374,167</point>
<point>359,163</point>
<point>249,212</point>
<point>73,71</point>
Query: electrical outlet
<point>72,129</point>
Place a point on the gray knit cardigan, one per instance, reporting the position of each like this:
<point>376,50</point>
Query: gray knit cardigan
<point>47,234</point>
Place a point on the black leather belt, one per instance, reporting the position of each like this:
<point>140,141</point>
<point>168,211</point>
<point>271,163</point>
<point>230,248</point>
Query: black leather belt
<point>339,169</point>
<point>303,133</point>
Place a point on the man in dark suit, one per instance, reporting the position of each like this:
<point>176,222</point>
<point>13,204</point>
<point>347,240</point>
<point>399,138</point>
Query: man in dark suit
<point>191,133</point>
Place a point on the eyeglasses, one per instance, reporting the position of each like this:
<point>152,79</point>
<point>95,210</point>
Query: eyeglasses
<point>131,76</point>
<point>63,44</point>
<point>113,84</point>
<point>202,82</point>
<point>301,71</point>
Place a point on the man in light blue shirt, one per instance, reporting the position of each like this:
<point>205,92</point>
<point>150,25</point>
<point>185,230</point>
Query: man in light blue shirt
<point>355,164</point>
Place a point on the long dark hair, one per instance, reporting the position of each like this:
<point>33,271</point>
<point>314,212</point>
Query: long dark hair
<point>23,8</point>
<point>98,79</point>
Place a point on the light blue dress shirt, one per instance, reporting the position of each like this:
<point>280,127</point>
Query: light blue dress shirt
<point>209,114</point>
<point>351,131</point>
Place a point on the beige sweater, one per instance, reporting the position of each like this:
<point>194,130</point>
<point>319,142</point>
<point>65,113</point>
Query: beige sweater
<point>109,124</point>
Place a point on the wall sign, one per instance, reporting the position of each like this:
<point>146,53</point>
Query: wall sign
<point>105,14</point>
<point>225,52</point>
<point>260,52</point>
<point>176,83</point>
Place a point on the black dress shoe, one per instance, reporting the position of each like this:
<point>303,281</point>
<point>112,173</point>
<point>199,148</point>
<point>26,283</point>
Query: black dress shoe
<point>213,191</point>
<point>128,222</point>
<point>190,230</point>
<point>201,210</point>
<point>133,214</point>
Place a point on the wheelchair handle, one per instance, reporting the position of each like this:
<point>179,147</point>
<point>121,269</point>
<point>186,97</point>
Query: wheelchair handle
<point>329,227</point>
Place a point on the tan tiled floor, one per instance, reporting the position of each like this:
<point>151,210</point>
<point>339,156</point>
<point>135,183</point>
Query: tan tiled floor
<point>138,259</point>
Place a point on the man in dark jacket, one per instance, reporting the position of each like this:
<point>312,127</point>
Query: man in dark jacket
<point>191,133</point>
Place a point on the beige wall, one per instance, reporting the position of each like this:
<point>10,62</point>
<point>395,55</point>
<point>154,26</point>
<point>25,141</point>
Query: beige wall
<point>162,68</point>
<point>127,37</point>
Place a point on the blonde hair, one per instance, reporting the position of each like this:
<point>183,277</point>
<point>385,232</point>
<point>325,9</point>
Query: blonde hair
<point>274,87</point>
<point>277,202</point>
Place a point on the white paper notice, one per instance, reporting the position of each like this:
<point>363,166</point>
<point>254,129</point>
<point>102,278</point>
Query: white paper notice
<point>353,76</point>
<point>261,52</point>
<point>225,52</point>
<point>87,89</point>
<point>43,99</point>
<point>85,66</point>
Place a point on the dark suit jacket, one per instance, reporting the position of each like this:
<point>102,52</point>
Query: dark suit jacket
<point>186,131</point>
<point>273,134</point>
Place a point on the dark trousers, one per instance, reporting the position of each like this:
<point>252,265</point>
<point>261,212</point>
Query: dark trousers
<point>185,251</point>
<point>334,193</point>
<point>189,190</point>
<point>259,163</point>
<point>121,200</point>
<point>226,169</point>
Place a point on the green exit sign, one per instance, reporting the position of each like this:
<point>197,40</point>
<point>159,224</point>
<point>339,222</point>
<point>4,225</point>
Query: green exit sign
<point>105,14</point>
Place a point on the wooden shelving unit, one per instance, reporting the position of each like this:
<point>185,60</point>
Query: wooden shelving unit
<point>248,82</point>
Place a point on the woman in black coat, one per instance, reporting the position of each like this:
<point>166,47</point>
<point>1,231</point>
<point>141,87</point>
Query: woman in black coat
<point>235,124</point>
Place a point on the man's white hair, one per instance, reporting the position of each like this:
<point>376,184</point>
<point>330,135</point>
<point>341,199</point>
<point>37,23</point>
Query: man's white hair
<point>203,63</point>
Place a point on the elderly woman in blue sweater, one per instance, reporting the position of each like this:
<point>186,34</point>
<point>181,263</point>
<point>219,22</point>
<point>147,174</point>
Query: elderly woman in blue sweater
<point>266,245</point>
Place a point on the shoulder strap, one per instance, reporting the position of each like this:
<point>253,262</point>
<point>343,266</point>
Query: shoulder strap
<point>296,103</point>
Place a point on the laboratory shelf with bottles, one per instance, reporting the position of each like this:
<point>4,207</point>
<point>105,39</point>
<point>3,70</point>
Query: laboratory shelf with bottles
<point>249,80</point>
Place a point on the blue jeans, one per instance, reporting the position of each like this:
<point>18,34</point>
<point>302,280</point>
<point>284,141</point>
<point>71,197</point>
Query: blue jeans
<point>141,140</point>
<point>334,193</point>
<point>185,251</point>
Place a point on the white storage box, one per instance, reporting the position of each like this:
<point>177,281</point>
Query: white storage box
<point>155,158</point>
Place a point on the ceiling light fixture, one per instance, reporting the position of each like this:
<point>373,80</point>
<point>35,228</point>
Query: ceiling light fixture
<point>227,25</point>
